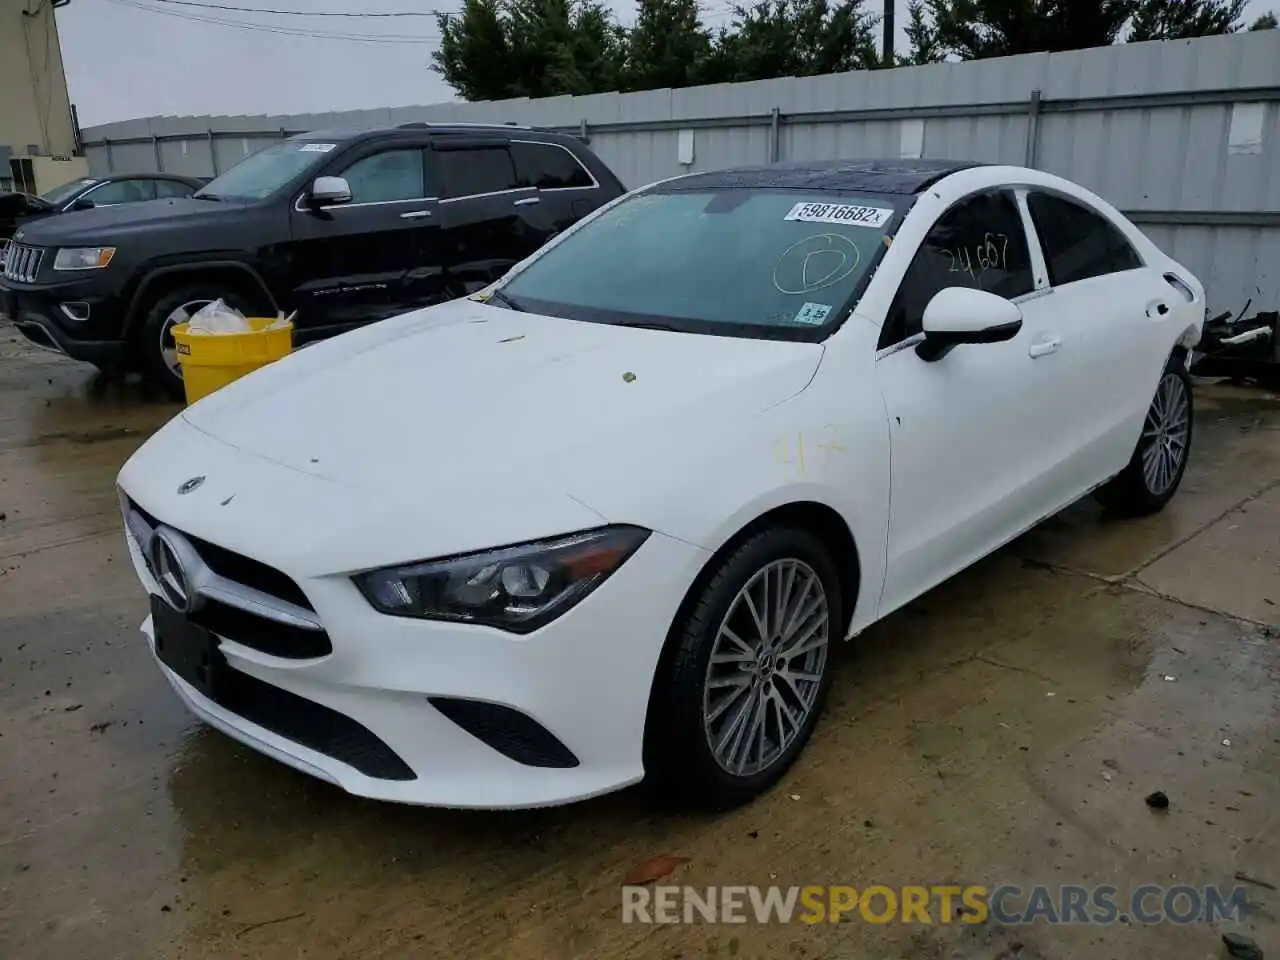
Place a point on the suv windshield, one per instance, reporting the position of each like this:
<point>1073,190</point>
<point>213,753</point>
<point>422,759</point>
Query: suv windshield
<point>745,262</point>
<point>262,174</point>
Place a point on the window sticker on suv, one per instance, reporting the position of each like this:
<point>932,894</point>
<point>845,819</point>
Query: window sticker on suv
<point>316,147</point>
<point>854,216</point>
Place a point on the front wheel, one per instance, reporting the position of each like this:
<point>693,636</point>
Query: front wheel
<point>1154,473</point>
<point>153,344</point>
<point>740,692</point>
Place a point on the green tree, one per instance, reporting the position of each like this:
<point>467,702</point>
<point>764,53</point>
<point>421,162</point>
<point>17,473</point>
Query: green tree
<point>668,46</point>
<point>1182,19</point>
<point>794,38</point>
<point>974,29</point>
<point>925,46</point>
<point>1265,22</point>
<point>498,49</point>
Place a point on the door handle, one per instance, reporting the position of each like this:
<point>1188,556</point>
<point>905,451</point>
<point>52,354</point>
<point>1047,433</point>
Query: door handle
<point>415,214</point>
<point>1157,308</point>
<point>527,201</point>
<point>1042,348</point>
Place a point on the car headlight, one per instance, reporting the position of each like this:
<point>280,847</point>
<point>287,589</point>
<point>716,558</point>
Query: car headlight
<point>83,258</point>
<point>517,588</point>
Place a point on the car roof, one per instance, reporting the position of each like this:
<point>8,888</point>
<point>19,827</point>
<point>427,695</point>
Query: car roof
<point>901,177</point>
<point>404,129</point>
<point>153,175</point>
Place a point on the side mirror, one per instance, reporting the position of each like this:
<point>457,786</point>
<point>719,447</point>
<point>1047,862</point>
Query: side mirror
<point>959,315</point>
<point>84,203</point>
<point>326,191</point>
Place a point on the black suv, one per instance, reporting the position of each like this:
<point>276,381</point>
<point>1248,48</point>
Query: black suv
<point>343,228</point>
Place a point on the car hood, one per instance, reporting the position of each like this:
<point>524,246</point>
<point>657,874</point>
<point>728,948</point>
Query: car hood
<point>465,401</point>
<point>115,223</point>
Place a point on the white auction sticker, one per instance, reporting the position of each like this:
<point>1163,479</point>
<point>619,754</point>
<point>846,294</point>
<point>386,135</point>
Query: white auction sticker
<point>840,213</point>
<point>812,313</point>
<point>316,147</point>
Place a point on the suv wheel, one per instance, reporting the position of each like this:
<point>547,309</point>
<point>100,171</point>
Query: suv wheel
<point>153,342</point>
<point>737,698</point>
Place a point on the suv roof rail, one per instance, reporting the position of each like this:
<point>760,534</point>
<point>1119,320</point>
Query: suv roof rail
<point>423,125</point>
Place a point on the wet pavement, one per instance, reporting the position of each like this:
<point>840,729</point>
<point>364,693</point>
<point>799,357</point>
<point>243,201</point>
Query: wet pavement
<point>1003,729</point>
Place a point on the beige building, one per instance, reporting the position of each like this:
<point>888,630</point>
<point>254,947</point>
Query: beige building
<point>38,138</point>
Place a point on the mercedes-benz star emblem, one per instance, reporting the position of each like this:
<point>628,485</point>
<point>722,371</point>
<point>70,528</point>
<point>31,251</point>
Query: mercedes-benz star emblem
<point>166,551</point>
<point>188,485</point>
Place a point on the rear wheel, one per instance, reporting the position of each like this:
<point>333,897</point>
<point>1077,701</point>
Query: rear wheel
<point>153,344</point>
<point>738,696</point>
<point>1160,459</point>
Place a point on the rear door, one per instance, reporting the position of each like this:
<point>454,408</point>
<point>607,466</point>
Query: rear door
<point>370,258</point>
<point>492,217</point>
<point>1119,310</point>
<point>568,190</point>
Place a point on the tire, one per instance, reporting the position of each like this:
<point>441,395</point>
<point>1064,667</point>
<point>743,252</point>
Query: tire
<point>687,712</point>
<point>1155,471</point>
<point>152,342</point>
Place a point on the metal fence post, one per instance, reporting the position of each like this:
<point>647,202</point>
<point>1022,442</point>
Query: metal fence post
<point>1033,129</point>
<point>213,155</point>
<point>583,134</point>
<point>155,148</point>
<point>111,166</point>
<point>774,134</point>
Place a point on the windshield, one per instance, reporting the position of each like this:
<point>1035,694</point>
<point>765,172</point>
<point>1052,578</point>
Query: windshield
<point>65,192</point>
<point>746,262</point>
<point>266,171</point>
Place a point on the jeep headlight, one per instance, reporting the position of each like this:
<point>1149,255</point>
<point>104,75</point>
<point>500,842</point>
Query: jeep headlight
<point>83,258</point>
<point>517,588</point>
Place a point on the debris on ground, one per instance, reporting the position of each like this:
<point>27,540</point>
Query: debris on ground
<point>1158,800</point>
<point>1256,881</point>
<point>652,870</point>
<point>99,727</point>
<point>1241,947</point>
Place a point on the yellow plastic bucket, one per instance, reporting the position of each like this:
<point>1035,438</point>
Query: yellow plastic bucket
<point>210,361</point>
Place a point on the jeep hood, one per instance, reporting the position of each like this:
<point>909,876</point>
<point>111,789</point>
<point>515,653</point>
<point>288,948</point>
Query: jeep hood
<point>465,401</point>
<point>115,224</point>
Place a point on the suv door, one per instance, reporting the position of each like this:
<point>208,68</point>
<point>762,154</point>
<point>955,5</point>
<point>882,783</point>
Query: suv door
<point>373,257</point>
<point>491,217</point>
<point>568,190</point>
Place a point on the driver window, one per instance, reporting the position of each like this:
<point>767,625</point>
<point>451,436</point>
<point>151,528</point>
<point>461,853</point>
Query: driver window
<point>978,243</point>
<point>385,177</point>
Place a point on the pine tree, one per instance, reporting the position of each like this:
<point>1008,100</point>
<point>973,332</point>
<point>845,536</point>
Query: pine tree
<point>1181,19</point>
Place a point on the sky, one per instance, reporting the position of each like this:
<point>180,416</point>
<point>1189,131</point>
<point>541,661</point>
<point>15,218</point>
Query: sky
<point>140,58</point>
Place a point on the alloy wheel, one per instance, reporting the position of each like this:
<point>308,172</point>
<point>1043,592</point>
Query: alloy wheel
<point>1165,434</point>
<point>766,667</point>
<point>168,347</point>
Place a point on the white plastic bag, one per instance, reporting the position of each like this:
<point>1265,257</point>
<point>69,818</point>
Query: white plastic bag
<point>217,317</point>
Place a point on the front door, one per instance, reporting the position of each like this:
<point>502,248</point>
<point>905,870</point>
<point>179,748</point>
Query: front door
<point>371,258</point>
<point>491,216</point>
<point>973,434</point>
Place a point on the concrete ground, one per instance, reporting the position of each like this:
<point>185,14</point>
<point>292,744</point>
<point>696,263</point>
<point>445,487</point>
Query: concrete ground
<point>1003,729</point>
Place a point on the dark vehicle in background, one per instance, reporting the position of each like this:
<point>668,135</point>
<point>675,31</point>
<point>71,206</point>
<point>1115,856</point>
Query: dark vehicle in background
<point>344,228</point>
<point>89,192</point>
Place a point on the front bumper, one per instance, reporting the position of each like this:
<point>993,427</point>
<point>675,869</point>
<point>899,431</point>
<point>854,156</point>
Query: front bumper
<point>584,680</point>
<point>38,314</point>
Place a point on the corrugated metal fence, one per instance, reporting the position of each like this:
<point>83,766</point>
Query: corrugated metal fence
<point>1184,136</point>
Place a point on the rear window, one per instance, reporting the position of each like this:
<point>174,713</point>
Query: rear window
<point>470,172</point>
<point>748,262</point>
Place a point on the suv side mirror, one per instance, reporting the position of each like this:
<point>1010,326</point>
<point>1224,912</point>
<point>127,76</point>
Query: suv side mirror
<point>83,203</point>
<point>326,191</point>
<point>959,315</point>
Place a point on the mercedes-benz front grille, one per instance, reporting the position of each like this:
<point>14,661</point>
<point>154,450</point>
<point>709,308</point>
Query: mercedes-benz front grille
<point>22,262</point>
<point>236,597</point>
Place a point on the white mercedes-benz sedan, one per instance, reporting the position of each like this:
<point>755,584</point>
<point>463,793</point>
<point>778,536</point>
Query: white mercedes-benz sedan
<point>606,519</point>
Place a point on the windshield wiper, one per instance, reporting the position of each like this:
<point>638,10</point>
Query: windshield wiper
<point>502,299</point>
<point>206,196</point>
<point>648,325</point>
